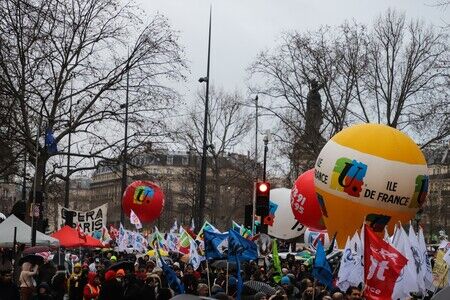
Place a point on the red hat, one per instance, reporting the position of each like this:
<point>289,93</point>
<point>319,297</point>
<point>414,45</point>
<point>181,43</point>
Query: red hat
<point>110,275</point>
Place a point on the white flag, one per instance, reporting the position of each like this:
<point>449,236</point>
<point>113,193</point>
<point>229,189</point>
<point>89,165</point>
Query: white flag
<point>407,281</point>
<point>345,267</point>
<point>428,273</point>
<point>417,258</point>
<point>194,257</point>
<point>135,220</point>
<point>174,227</point>
<point>447,257</point>
<point>356,275</point>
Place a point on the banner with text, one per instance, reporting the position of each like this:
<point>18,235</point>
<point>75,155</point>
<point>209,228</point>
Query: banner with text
<point>89,221</point>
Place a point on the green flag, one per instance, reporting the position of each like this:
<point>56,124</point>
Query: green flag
<point>276,261</point>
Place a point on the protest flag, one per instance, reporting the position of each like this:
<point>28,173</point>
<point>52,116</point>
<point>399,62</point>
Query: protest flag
<point>172,279</point>
<point>216,245</point>
<point>407,281</point>
<point>81,233</point>
<point>276,262</point>
<point>194,257</point>
<point>321,268</point>
<point>134,219</point>
<point>240,249</point>
<point>50,142</point>
<point>355,277</point>
<point>440,270</point>
<point>416,259</point>
<point>382,266</point>
<point>426,263</point>
<point>174,227</point>
<point>240,246</point>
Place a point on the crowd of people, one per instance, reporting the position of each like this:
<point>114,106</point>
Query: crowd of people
<point>114,276</point>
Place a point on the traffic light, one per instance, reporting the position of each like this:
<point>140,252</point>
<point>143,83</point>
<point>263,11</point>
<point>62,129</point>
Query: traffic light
<point>262,202</point>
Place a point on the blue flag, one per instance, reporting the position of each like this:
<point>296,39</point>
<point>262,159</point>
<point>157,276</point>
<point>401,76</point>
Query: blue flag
<point>216,245</point>
<point>321,269</point>
<point>240,247</point>
<point>172,279</point>
<point>50,142</point>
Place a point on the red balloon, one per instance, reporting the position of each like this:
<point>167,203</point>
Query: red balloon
<point>304,202</point>
<point>145,198</point>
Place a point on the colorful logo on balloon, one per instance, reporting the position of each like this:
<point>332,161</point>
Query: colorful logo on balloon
<point>348,176</point>
<point>314,238</point>
<point>420,191</point>
<point>143,193</point>
<point>269,219</point>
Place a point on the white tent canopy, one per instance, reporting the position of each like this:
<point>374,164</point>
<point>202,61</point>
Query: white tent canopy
<point>23,235</point>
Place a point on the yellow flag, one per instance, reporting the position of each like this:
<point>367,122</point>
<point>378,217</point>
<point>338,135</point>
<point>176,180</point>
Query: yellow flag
<point>440,270</point>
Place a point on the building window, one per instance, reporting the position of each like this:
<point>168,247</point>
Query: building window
<point>169,159</point>
<point>184,160</point>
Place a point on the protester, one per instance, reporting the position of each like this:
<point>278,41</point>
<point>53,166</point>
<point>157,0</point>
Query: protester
<point>91,290</point>
<point>353,293</point>
<point>8,289</point>
<point>27,281</point>
<point>59,283</point>
<point>111,288</point>
<point>76,283</point>
<point>43,292</point>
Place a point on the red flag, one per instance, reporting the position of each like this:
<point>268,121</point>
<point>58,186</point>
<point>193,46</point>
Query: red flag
<point>81,233</point>
<point>382,266</point>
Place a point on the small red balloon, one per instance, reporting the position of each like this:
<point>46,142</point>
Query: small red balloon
<point>304,203</point>
<point>145,198</point>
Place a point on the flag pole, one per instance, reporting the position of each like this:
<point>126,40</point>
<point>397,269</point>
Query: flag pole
<point>207,275</point>
<point>226,284</point>
<point>314,289</point>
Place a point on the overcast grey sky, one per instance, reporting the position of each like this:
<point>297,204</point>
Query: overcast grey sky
<point>242,28</point>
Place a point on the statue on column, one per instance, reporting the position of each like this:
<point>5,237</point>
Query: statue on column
<point>314,117</point>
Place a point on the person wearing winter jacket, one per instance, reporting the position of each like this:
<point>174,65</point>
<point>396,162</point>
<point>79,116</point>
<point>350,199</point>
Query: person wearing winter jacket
<point>59,283</point>
<point>92,288</point>
<point>43,292</point>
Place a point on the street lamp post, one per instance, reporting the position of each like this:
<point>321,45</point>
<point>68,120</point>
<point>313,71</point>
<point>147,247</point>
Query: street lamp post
<point>125,151</point>
<point>202,188</point>
<point>266,141</point>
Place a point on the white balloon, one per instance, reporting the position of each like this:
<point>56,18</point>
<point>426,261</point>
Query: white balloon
<point>284,226</point>
<point>312,237</point>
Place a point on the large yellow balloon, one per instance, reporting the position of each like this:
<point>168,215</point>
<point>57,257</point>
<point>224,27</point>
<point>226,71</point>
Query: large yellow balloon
<point>372,173</point>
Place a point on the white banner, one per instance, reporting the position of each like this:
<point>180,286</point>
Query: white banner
<point>89,221</point>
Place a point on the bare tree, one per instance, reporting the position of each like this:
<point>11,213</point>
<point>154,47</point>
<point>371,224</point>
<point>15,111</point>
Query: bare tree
<point>228,125</point>
<point>394,72</point>
<point>286,74</point>
<point>405,77</point>
<point>60,55</point>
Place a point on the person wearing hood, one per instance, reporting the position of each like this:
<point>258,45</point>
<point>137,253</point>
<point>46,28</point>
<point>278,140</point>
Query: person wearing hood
<point>111,288</point>
<point>92,288</point>
<point>59,283</point>
<point>27,281</point>
<point>43,292</point>
<point>75,283</point>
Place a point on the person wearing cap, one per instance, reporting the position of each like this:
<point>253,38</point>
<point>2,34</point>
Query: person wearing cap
<point>113,259</point>
<point>288,287</point>
<point>75,284</point>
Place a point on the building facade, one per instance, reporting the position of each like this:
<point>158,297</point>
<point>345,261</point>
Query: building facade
<point>436,210</point>
<point>229,185</point>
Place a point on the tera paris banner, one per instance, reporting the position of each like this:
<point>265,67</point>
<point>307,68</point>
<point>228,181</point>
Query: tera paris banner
<point>89,221</point>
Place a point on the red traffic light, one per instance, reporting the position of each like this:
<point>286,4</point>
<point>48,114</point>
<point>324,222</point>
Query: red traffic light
<point>262,189</point>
